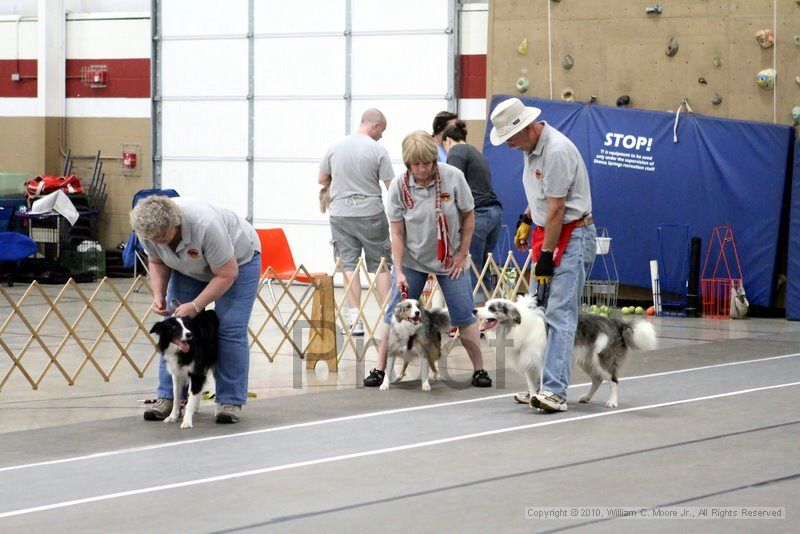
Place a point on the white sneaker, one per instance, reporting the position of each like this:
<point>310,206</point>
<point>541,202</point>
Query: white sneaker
<point>227,414</point>
<point>548,402</point>
<point>356,330</point>
<point>523,397</point>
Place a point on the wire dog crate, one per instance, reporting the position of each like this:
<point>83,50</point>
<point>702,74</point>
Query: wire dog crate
<point>724,278</point>
<point>602,283</point>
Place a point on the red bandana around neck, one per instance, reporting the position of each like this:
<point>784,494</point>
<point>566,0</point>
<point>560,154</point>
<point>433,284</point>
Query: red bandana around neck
<point>444,250</point>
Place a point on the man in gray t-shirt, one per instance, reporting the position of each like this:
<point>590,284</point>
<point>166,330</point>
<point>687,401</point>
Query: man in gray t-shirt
<point>355,167</point>
<point>556,184</point>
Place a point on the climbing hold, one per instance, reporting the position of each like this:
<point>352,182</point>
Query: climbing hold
<point>593,99</point>
<point>766,79</point>
<point>522,84</point>
<point>567,62</point>
<point>653,10</point>
<point>522,49</point>
<point>716,99</point>
<point>717,61</point>
<point>765,38</point>
<point>568,95</point>
<point>623,101</point>
<point>672,47</point>
<point>702,81</point>
<point>796,114</point>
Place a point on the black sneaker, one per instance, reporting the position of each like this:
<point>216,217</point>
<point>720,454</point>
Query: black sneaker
<point>481,379</point>
<point>374,379</point>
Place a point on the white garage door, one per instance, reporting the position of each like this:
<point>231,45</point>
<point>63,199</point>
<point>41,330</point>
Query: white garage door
<point>250,93</point>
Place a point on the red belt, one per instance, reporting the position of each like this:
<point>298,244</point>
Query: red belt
<point>563,238</point>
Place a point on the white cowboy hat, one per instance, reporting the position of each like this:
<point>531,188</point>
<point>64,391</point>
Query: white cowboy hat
<point>509,117</point>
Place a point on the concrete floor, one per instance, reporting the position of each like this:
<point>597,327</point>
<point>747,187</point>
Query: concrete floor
<point>710,419</point>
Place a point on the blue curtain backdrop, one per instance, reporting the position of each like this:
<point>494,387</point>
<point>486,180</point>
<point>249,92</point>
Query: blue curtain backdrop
<point>719,172</point>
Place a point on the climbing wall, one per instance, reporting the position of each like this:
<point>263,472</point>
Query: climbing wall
<point>619,49</point>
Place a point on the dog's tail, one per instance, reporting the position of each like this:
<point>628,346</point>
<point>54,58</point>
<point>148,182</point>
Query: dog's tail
<point>640,335</point>
<point>440,319</point>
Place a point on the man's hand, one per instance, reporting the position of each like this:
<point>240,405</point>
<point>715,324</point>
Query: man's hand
<point>543,269</point>
<point>522,238</point>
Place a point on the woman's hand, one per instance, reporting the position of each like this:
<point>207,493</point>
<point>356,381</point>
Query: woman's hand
<point>159,306</point>
<point>401,283</point>
<point>185,310</point>
<point>460,265</point>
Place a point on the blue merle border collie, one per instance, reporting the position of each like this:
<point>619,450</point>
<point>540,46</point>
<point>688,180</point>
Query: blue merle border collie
<point>194,357</point>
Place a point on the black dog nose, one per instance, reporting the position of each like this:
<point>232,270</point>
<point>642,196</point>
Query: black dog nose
<point>474,311</point>
<point>416,313</point>
<point>188,336</point>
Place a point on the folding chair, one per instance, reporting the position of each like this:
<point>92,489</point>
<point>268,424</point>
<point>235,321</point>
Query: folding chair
<point>134,253</point>
<point>276,253</point>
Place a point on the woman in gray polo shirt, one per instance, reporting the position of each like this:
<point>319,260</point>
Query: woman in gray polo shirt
<point>199,253</point>
<point>431,217</point>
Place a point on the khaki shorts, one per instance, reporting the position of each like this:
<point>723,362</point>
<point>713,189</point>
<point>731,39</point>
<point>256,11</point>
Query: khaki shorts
<point>351,235</point>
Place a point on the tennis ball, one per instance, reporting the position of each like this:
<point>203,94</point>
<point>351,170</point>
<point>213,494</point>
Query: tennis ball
<point>639,310</point>
<point>626,311</point>
<point>604,309</point>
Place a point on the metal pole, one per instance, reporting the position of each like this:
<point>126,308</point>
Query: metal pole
<point>251,105</point>
<point>452,47</point>
<point>348,67</point>
<point>155,91</point>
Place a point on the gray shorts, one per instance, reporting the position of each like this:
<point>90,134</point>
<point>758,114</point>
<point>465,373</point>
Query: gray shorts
<point>352,234</point>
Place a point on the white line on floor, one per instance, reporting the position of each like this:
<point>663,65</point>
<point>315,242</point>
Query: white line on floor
<point>374,452</point>
<point>354,417</point>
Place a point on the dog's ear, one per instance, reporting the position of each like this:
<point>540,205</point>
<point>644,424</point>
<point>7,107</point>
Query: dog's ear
<point>157,328</point>
<point>512,313</point>
<point>160,329</point>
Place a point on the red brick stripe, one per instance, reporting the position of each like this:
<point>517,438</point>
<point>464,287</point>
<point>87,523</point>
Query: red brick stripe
<point>127,78</point>
<point>473,76</point>
<point>26,87</point>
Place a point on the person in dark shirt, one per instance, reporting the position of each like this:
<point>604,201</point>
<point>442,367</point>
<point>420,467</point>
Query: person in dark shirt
<point>488,210</point>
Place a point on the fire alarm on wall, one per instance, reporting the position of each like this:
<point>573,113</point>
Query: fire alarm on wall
<point>131,157</point>
<point>129,160</point>
<point>95,76</point>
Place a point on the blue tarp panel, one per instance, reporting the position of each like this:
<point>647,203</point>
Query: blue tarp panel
<point>793,268</point>
<point>720,172</point>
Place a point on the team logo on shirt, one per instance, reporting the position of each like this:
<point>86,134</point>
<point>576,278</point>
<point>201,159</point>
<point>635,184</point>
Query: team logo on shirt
<point>193,253</point>
<point>446,197</point>
<point>538,174</point>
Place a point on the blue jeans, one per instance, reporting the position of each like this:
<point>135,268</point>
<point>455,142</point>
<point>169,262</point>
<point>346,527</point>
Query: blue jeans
<point>457,294</point>
<point>233,308</point>
<point>561,313</point>
<point>488,222</point>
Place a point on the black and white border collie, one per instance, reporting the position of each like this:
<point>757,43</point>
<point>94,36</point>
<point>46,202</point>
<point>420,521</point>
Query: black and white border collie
<point>415,333</point>
<point>194,357</point>
<point>601,343</point>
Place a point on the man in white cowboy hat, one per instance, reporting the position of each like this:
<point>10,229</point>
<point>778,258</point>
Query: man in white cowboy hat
<point>560,205</point>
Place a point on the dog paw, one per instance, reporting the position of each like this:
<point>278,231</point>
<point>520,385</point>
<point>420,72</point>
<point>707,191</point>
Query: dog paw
<point>171,419</point>
<point>611,404</point>
<point>426,386</point>
<point>187,424</point>
<point>584,399</point>
<point>436,377</point>
<point>385,386</point>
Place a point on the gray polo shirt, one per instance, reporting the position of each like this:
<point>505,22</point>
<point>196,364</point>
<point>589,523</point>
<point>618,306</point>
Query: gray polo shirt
<point>357,165</point>
<point>555,168</point>
<point>210,237</point>
<point>420,221</point>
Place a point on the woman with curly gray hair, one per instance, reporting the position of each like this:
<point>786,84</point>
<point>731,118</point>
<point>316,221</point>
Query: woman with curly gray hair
<point>199,253</point>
